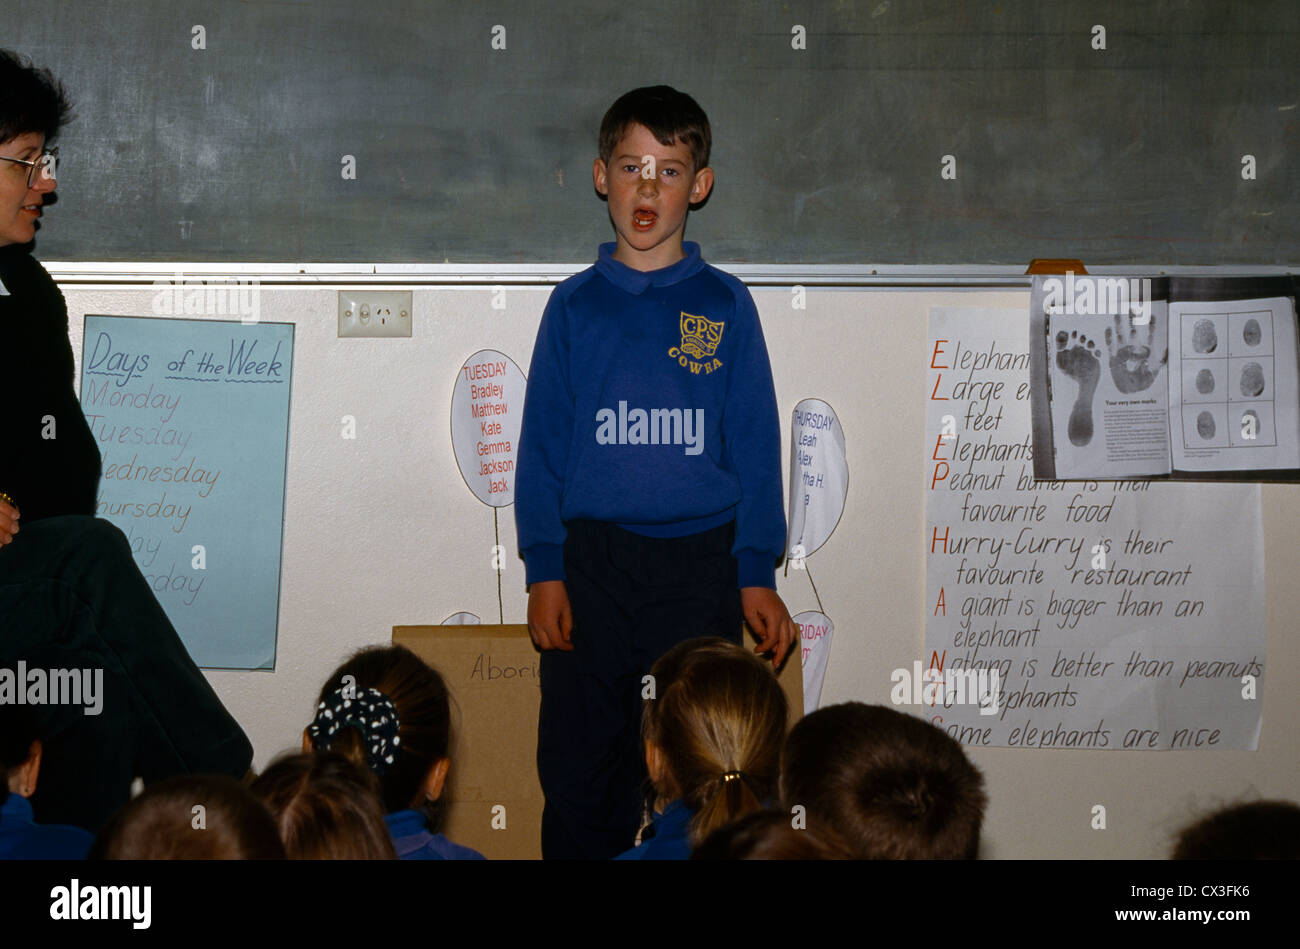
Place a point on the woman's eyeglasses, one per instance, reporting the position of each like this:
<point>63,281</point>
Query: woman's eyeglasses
<point>46,166</point>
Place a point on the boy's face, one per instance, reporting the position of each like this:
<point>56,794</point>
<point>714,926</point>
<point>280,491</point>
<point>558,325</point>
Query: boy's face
<point>650,187</point>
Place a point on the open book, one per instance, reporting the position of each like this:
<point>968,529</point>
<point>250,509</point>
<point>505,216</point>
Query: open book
<point>1178,376</point>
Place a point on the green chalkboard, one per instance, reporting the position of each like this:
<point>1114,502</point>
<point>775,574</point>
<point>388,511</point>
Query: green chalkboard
<point>831,123</point>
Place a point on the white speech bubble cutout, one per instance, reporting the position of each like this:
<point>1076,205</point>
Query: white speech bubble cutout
<point>819,476</point>
<point>487,412</point>
<point>815,631</point>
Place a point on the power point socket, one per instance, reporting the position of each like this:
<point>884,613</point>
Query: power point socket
<point>374,313</point>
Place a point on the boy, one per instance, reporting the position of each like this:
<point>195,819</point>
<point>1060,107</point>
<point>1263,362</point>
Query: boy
<point>891,785</point>
<point>648,499</point>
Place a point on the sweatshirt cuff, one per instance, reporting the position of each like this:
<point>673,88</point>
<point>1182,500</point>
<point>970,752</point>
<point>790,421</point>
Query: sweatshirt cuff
<point>544,562</point>
<point>755,569</point>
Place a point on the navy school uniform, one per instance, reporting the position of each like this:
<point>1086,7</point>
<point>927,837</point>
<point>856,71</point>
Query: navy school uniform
<point>21,838</point>
<point>649,481</point>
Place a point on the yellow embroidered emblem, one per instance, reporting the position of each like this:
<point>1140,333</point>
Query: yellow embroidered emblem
<point>700,336</point>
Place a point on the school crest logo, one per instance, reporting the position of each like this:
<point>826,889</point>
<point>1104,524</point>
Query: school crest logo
<point>700,338</point>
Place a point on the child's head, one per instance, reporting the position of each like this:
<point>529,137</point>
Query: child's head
<point>713,731</point>
<point>1260,830</point>
<point>20,750</point>
<point>891,784</point>
<point>191,817</point>
<point>387,710</point>
<point>327,808</point>
<point>670,115</point>
<point>769,835</point>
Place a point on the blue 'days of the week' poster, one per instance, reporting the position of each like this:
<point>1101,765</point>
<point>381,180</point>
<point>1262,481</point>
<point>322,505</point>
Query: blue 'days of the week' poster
<point>192,422</point>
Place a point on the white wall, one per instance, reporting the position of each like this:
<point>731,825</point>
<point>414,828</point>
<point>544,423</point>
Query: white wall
<point>382,531</point>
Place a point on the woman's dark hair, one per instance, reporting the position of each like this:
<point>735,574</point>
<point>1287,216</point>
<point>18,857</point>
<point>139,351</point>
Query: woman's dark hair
<point>327,808</point>
<point>165,823</point>
<point>31,99</point>
<point>17,732</point>
<point>423,716</point>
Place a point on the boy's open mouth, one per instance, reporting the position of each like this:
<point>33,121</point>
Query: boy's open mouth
<point>643,219</point>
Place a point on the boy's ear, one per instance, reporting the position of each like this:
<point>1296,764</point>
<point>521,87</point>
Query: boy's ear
<point>600,176</point>
<point>306,742</point>
<point>702,186</point>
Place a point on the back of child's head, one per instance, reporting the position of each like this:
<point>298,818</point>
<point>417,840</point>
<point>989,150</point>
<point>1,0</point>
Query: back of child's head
<point>770,835</point>
<point>191,817</point>
<point>327,808</point>
<point>671,116</point>
<point>17,733</point>
<point>386,710</point>
<point>892,785</point>
<point>1260,830</point>
<point>717,718</point>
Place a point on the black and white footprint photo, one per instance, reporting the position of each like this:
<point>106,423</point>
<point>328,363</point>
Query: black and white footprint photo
<point>1079,358</point>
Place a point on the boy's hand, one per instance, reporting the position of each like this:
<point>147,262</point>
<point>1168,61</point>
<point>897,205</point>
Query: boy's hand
<point>550,620</point>
<point>8,522</point>
<point>770,620</point>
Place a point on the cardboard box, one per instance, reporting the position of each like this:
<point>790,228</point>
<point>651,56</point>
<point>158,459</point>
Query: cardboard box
<point>495,800</point>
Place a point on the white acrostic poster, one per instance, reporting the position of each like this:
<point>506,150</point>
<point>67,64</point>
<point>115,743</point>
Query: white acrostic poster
<point>487,412</point>
<point>819,477</point>
<point>815,631</point>
<point>1116,614</point>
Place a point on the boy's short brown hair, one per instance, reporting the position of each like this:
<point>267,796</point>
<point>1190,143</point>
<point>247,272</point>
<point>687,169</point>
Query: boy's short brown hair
<point>162,823</point>
<point>671,116</point>
<point>893,786</point>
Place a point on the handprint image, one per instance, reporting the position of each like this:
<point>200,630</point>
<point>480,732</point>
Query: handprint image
<point>1130,361</point>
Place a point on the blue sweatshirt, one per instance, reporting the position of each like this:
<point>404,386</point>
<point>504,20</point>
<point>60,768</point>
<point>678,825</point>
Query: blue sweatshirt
<point>650,405</point>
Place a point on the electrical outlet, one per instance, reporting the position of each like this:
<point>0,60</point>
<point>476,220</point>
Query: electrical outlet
<point>371,313</point>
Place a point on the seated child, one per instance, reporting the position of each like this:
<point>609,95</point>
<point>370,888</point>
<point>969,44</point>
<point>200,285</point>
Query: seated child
<point>771,835</point>
<point>712,735</point>
<point>1259,830</point>
<point>386,710</point>
<point>166,823</point>
<point>21,838</point>
<point>327,808</point>
<point>892,785</point>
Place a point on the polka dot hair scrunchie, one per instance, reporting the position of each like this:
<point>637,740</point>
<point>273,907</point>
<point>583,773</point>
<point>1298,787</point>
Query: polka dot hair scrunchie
<point>370,712</point>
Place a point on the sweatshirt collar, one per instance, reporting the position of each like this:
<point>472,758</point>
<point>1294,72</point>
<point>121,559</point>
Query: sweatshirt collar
<point>636,281</point>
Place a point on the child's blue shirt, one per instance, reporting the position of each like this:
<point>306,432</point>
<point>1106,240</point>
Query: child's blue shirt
<point>650,405</point>
<point>412,840</point>
<point>671,840</point>
<point>21,838</point>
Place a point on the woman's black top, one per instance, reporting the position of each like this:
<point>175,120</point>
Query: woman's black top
<point>49,461</point>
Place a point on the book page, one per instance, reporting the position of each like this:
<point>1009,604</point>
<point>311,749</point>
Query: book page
<point>1109,393</point>
<point>1234,396</point>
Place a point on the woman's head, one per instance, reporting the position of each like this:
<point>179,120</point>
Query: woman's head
<point>33,107</point>
<point>713,731</point>
<point>387,710</point>
<point>327,808</point>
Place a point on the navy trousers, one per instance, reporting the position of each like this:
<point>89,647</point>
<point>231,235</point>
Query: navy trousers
<point>633,599</point>
<point>72,597</point>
